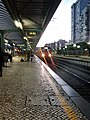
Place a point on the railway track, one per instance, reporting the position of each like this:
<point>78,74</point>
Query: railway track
<point>77,76</point>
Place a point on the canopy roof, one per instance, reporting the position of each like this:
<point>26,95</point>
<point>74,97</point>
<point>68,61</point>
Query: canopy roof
<point>32,15</point>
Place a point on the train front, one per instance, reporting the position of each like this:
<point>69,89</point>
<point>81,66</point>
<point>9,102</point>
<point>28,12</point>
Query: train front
<point>46,54</point>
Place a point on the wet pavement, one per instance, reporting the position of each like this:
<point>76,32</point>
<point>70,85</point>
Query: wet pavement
<point>29,92</point>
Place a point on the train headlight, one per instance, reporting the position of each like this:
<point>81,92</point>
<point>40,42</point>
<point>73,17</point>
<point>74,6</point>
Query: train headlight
<point>43,55</point>
<point>49,55</point>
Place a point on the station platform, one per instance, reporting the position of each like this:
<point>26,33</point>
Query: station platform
<point>32,91</point>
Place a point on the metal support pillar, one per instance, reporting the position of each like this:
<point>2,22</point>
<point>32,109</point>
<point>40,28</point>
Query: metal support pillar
<point>2,46</point>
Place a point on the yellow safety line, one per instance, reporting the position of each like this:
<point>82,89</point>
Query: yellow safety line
<point>67,108</point>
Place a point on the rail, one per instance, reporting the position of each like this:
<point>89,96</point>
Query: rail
<point>78,60</point>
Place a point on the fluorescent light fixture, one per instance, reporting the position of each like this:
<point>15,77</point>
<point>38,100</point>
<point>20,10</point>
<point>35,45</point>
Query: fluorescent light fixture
<point>25,38</point>
<point>13,44</point>
<point>18,24</point>
<point>6,41</point>
<point>9,45</point>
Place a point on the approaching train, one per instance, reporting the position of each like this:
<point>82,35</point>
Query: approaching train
<point>44,53</point>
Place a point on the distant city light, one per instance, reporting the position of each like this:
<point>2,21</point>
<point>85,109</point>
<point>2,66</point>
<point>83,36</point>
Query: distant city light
<point>74,45</point>
<point>88,43</point>
<point>78,46</point>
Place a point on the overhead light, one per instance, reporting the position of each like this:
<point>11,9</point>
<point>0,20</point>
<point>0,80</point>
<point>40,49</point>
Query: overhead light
<point>9,45</point>
<point>13,44</point>
<point>32,33</point>
<point>18,24</point>
<point>6,41</point>
<point>25,38</point>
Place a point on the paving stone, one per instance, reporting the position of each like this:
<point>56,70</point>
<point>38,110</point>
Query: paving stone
<point>27,94</point>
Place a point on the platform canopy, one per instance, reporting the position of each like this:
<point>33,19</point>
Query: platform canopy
<point>24,21</point>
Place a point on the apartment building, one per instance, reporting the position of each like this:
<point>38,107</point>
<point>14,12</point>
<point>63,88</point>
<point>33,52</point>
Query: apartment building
<point>80,21</point>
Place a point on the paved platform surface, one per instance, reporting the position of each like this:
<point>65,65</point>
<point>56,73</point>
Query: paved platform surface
<point>29,92</point>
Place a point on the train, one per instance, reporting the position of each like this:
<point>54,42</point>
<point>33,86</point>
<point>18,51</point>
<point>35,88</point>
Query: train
<point>44,53</point>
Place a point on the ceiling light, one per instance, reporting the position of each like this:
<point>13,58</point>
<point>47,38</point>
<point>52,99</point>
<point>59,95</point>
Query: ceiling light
<point>18,24</point>
<point>25,38</point>
<point>32,33</point>
<point>13,44</point>
<point>6,41</point>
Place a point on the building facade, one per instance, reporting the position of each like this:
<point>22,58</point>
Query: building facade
<point>80,21</point>
<point>61,43</point>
